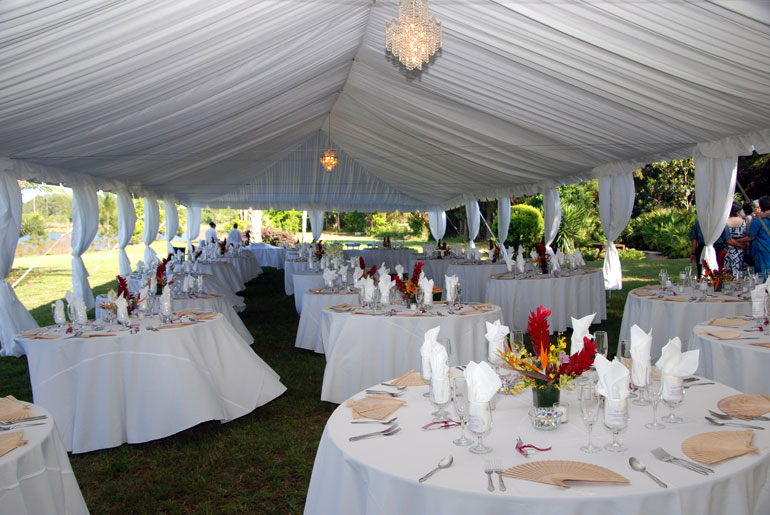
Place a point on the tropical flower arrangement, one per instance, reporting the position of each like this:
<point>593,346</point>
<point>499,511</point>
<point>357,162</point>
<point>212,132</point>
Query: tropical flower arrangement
<point>160,274</point>
<point>547,365</point>
<point>223,246</point>
<point>719,277</point>
<point>195,254</point>
<point>407,286</point>
<point>319,249</point>
<point>132,301</point>
<point>333,250</point>
<point>372,272</point>
<point>543,257</point>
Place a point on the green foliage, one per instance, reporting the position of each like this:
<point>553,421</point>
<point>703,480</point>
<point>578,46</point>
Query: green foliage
<point>418,224</point>
<point>629,254</point>
<point>526,228</point>
<point>55,205</point>
<point>276,237</point>
<point>353,221</point>
<point>289,221</point>
<point>108,213</point>
<point>664,185</point>
<point>580,226</point>
<point>666,230</point>
<point>33,225</point>
<point>385,224</point>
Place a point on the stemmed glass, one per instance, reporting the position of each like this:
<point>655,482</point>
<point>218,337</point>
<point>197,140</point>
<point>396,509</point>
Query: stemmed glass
<point>672,393</point>
<point>602,343</point>
<point>72,313</point>
<point>589,408</point>
<point>419,296</point>
<point>616,422</point>
<point>458,293</point>
<point>58,320</point>
<point>447,344</point>
<point>480,424</point>
<point>440,395</point>
<point>460,401</point>
<point>624,356</point>
<point>517,338</point>
<point>653,390</point>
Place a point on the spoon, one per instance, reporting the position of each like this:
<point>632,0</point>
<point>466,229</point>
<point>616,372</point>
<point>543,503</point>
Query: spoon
<point>717,423</point>
<point>640,467</point>
<point>723,416</point>
<point>444,463</point>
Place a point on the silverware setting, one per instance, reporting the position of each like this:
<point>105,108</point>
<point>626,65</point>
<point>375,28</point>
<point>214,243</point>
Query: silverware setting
<point>385,432</point>
<point>384,422</point>
<point>696,384</point>
<point>19,421</point>
<point>18,426</point>
<point>640,467</point>
<point>498,468</point>
<point>488,470</point>
<point>717,423</point>
<point>662,455</point>
<point>445,462</point>
<point>724,416</point>
<point>399,388</point>
<point>392,394</point>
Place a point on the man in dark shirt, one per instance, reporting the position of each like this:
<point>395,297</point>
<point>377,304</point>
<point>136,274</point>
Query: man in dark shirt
<point>696,235</point>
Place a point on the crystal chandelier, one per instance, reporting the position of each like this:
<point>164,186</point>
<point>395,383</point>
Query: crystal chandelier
<point>329,160</point>
<point>414,37</point>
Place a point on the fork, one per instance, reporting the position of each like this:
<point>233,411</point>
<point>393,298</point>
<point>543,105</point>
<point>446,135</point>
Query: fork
<point>717,423</point>
<point>662,455</point>
<point>724,416</point>
<point>22,420</point>
<point>8,428</point>
<point>392,394</point>
<point>498,465</point>
<point>488,469</point>
<point>399,388</point>
<point>385,432</point>
<point>386,422</point>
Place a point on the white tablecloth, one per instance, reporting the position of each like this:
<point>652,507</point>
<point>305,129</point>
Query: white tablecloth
<point>378,476</point>
<point>37,478</point>
<point>210,285</point>
<point>134,388</point>
<point>304,281</point>
<point>391,257</point>
<point>225,272</point>
<point>246,265</point>
<point>566,296</point>
<point>668,319</point>
<point>362,350</point>
<point>267,255</point>
<point>292,267</point>
<point>473,279</point>
<point>434,269</point>
<point>736,363</point>
<point>313,304</point>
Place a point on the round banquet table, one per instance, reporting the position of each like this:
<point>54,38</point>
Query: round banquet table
<point>575,295</point>
<point>313,304</point>
<point>268,255</point>
<point>473,278</point>
<point>434,268</point>
<point>139,387</point>
<point>225,272</point>
<point>378,476</point>
<point>391,257</point>
<point>740,363</point>
<point>210,285</point>
<point>246,265</point>
<point>37,477</point>
<point>365,349</point>
<point>292,267</point>
<point>670,318</point>
<point>303,282</point>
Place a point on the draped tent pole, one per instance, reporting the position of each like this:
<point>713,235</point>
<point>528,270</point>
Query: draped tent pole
<point>85,222</point>
<point>714,188</point>
<point>316,223</point>
<point>551,217</point>
<point>437,223</point>
<point>256,225</point>
<point>193,226</point>
<point>304,225</point>
<point>616,201</point>
<point>126,226</point>
<point>503,222</point>
<point>14,317</point>
<point>473,214</point>
<point>172,222</point>
<point>151,225</point>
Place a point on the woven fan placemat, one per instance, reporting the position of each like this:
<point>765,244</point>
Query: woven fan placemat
<point>674,299</point>
<point>11,441</point>
<point>186,312</point>
<point>643,293</point>
<point>176,325</point>
<point>377,407</point>
<point>208,296</point>
<point>745,404</point>
<point>718,446</point>
<point>12,409</point>
<point>724,334</point>
<point>204,316</point>
<point>411,378</point>
<point>728,322</point>
<point>556,472</point>
<point>472,312</point>
<point>761,344</point>
<point>32,332</point>
<point>45,337</point>
<point>96,335</point>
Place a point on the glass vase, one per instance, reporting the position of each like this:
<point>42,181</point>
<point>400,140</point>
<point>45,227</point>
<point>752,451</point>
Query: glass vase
<point>545,395</point>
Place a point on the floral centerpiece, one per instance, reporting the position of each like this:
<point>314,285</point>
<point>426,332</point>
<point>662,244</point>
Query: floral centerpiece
<point>160,275</point>
<point>543,257</point>
<point>386,242</point>
<point>372,272</point>
<point>407,286</point>
<point>333,250</point>
<point>132,301</point>
<point>719,277</point>
<point>319,250</point>
<point>547,367</point>
<point>223,246</point>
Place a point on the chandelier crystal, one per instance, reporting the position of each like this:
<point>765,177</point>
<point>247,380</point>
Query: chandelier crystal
<point>329,160</point>
<point>414,37</point>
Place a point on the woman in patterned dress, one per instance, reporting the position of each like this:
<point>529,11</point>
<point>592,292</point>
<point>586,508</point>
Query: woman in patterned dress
<point>735,250</point>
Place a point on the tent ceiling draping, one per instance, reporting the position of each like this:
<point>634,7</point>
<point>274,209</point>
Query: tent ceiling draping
<point>226,103</point>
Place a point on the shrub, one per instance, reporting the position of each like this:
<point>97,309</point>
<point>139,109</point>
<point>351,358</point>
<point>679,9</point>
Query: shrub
<point>276,237</point>
<point>580,225</point>
<point>353,221</point>
<point>290,221</point>
<point>33,225</point>
<point>666,230</point>
<point>631,254</point>
<point>418,224</point>
<point>526,228</point>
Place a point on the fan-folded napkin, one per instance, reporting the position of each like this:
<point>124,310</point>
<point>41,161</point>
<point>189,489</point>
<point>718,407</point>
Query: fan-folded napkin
<point>509,261</point>
<point>483,383</point>
<point>534,256</point>
<point>495,335</point>
<point>329,276</point>
<point>451,282</point>
<point>367,287</point>
<point>122,309</point>
<point>758,296</point>
<point>383,270</point>
<point>641,343</point>
<point>385,285</point>
<point>429,342</point>
<point>58,312</point>
<point>139,266</point>
<point>357,274</point>
<point>613,384</point>
<point>580,328</point>
<point>342,273</point>
<point>400,271</point>
<point>78,305</point>
<point>427,289</point>
<point>520,260</point>
<point>673,366</point>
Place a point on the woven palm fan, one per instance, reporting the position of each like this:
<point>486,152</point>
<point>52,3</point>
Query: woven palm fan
<point>12,409</point>
<point>10,441</point>
<point>745,404</point>
<point>722,334</point>
<point>728,322</point>
<point>718,446</point>
<point>411,378</point>
<point>556,472</point>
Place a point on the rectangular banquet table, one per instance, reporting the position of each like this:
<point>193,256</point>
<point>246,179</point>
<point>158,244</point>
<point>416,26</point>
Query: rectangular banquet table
<point>139,387</point>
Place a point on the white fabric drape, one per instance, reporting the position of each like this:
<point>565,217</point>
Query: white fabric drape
<point>503,220</point>
<point>616,201</point>
<point>193,226</point>
<point>473,214</point>
<point>14,317</point>
<point>714,188</point>
<point>304,225</point>
<point>256,225</point>
<point>151,224</point>
<point>85,222</point>
<point>316,223</point>
<point>172,222</point>
<point>437,223</point>
<point>551,216</point>
<point>126,225</point>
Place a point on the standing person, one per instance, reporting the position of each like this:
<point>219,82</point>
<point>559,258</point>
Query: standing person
<point>234,236</point>
<point>759,236</point>
<point>211,233</point>
<point>735,250</point>
<point>696,236</point>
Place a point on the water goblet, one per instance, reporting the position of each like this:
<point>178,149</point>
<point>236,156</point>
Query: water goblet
<point>672,394</point>
<point>59,320</point>
<point>458,294</point>
<point>447,344</point>
<point>517,338</point>
<point>616,422</point>
<point>624,356</point>
<point>589,409</point>
<point>440,395</point>
<point>653,390</point>
<point>460,401</point>
<point>72,314</point>
<point>419,296</point>
<point>602,343</point>
<point>480,424</point>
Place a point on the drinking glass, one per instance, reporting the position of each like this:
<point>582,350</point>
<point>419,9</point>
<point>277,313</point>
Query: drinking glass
<point>419,296</point>
<point>440,395</point>
<point>447,344</point>
<point>458,294</point>
<point>460,401</point>
<point>72,313</point>
<point>589,408</point>
<point>602,343</point>
<point>517,338</point>
<point>672,394</point>
<point>663,277</point>
<point>653,390</point>
<point>122,318</point>
<point>616,422</point>
<point>624,356</point>
<point>480,424</point>
<point>59,321</point>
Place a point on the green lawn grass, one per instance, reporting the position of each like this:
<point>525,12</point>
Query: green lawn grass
<point>259,463</point>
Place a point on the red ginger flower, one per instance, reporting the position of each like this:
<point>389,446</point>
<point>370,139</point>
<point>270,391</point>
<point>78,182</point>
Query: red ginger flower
<point>580,361</point>
<point>123,288</point>
<point>539,332</point>
<point>361,262</point>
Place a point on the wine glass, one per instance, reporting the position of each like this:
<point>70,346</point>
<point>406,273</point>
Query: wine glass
<point>60,319</point>
<point>616,422</point>
<point>419,296</point>
<point>480,424</point>
<point>447,344</point>
<point>602,343</point>
<point>72,313</point>
<point>517,338</point>
<point>589,408</point>
<point>663,277</point>
<point>458,294</point>
<point>653,390</point>
<point>440,395</point>
<point>460,401</point>
<point>672,394</point>
<point>624,356</point>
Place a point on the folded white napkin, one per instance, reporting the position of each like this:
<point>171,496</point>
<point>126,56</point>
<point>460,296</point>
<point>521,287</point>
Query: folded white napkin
<point>144,294</point>
<point>476,254</point>
<point>196,267</point>
<point>166,306</point>
<point>509,261</point>
<point>357,274</point>
<point>520,260</point>
<point>122,309</point>
<point>560,258</point>
<point>382,271</point>
<point>385,285</point>
<point>310,262</point>
<point>78,305</point>
<point>613,384</point>
<point>367,288</point>
<point>187,267</point>
<point>58,312</point>
<point>342,273</point>
<point>426,351</point>
<point>450,283</point>
<point>400,271</point>
<point>534,255</point>
<point>188,283</point>
<point>579,258</point>
<point>427,288</point>
<point>580,328</point>
<point>199,283</point>
<point>673,366</point>
<point>641,343</point>
<point>495,335</point>
<point>483,382</point>
<point>329,277</point>
<point>758,296</point>
<point>354,263</point>
<point>439,374</point>
<point>139,266</point>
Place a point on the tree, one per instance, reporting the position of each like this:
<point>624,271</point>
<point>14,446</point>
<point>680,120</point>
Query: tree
<point>665,184</point>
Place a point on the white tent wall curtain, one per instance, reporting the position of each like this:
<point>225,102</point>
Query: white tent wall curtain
<point>437,223</point>
<point>151,225</point>
<point>473,215</point>
<point>304,225</point>
<point>616,202</point>
<point>551,216</point>
<point>256,225</point>
<point>193,226</point>
<point>714,189</point>
<point>316,223</point>
<point>503,220</point>
<point>14,317</point>
<point>126,226</point>
<point>85,222</point>
<point>172,222</point>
